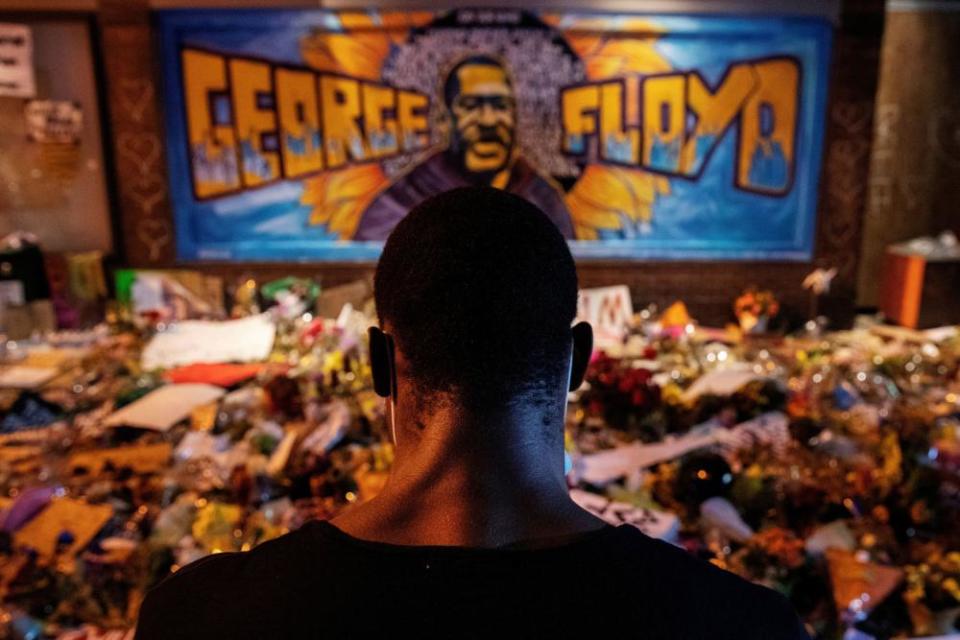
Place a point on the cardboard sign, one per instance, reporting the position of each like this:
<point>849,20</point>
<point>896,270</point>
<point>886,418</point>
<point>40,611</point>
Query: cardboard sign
<point>854,579</point>
<point>609,310</point>
<point>81,519</point>
<point>149,458</point>
<point>16,61</point>
<point>161,409</point>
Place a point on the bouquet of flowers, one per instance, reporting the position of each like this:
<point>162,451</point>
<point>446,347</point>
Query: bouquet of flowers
<point>623,395</point>
<point>754,309</point>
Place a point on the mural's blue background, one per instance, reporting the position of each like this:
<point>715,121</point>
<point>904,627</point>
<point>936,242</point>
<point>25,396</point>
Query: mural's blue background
<point>706,219</point>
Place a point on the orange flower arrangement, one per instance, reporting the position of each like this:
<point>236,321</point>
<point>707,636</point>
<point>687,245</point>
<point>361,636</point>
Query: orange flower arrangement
<point>754,307</point>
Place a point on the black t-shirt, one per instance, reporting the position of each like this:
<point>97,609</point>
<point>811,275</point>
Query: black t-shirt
<point>319,582</point>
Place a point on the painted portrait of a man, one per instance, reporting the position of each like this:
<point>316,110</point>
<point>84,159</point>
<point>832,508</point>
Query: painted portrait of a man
<point>479,96</point>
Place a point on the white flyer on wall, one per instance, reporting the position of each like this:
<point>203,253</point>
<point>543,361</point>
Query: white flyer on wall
<point>16,61</point>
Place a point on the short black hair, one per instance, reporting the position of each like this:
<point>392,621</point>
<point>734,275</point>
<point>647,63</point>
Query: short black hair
<point>451,87</point>
<point>480,290</point>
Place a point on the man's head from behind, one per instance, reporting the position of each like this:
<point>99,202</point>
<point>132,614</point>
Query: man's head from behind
<point>478,290</point>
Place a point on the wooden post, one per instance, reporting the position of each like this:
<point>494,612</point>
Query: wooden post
<point>128,55</point>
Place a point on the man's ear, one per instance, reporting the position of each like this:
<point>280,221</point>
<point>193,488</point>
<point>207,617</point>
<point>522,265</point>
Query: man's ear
<point>582,350</point>
<point>381,362</point>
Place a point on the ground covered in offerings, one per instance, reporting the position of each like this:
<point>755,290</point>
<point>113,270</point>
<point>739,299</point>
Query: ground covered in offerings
<point>824,465</point>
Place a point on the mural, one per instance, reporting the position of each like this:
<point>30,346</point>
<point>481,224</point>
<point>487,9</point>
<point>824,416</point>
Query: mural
<point>307,135</point>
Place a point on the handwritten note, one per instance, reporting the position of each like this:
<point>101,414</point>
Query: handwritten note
<point>656,524</point>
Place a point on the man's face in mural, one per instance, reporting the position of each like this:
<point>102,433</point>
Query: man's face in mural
<point>482,104</point>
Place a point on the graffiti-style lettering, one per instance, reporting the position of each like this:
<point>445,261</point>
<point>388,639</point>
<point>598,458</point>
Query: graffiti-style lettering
<point>714,112</point>
<point>767,129</point>
<point>340,103</point>
<point>379,116</point>
<point>664,116</point>
<point>683,119</point>
<point>620,144</point>
<point>580,106</point>
<point>412,114</point>
<point>251,122</point>
<point>298,109</point>
<point>213,145</point>
<point>255,121</point>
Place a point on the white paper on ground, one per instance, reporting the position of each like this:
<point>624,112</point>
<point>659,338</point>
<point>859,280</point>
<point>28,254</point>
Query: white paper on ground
<point>161,409</point>
<point>835,535</point>
<point>720,513</point>
<point>771,429</point>
<point>721,382</point>
<point>23,377</point>
<point>334,424</point>
<point>192,341</point>
<point>146,293</point>
<point>11,293</point>
<point>656,524</point>
<point>942,334</point>
<point>605,466</point>
<point>280,456</point>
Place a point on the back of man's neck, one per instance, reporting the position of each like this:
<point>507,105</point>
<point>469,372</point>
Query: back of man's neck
<point>468,504</point>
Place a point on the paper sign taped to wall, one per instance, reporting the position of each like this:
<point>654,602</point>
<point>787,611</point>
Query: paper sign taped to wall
<point>609,310</point>
<point>16,61</point>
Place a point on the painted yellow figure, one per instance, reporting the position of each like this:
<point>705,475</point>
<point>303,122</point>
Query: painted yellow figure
<point>479,96</point>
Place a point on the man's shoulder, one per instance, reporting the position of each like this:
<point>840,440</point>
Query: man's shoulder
<point>269,556</point>
<point>232,592</point>
<point>690,591</point>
